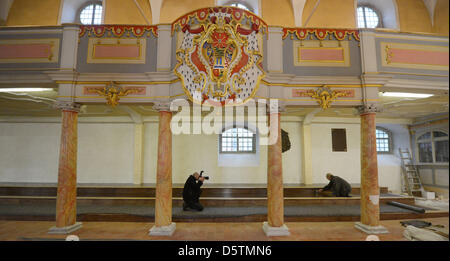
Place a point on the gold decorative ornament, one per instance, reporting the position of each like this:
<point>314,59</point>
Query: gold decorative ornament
<point>113,92</point>
<point>389,54</point>
<point>324,96</point>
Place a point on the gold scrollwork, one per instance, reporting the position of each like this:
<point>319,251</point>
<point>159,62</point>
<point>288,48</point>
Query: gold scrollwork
<point>324,96</point>
<point>113,92</point>
<point>389,54</point>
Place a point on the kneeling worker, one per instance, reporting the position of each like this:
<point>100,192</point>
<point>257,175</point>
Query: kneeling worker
<point>192,191</point>
<point>338,186</point>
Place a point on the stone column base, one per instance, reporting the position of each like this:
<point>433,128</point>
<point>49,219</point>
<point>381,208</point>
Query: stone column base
<point>162,231</point>
<point>275,231</point>
<point>64,230</point>
<point>371,229</point>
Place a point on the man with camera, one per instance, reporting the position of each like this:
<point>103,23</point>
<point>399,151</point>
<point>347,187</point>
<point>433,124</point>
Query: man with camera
<point>192,191</point>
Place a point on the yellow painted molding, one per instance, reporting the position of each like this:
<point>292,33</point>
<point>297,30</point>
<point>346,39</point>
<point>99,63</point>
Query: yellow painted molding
<point>118,82</point>
<point>124,97</point>
<point>404,73</point>
<point>311,100</point>
<point>320,85</point>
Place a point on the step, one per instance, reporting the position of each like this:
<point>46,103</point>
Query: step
<point>206,201</point>
<point>229,192</point>
<point>122,217</point>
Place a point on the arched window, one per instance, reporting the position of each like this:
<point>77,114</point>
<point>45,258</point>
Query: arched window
<point>432,147</point>
<point>91,13</point>
<point>239,5</point>
<point>368,17</point>
<point>237,140</point>
<point>384,140</point>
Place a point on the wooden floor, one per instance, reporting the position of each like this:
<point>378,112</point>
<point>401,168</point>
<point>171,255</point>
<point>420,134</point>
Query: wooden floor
<point>252,231</point>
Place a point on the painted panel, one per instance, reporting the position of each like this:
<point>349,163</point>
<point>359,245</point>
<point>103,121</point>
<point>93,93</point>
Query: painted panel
<point>414,56</point>
<point>29,51</point>
<point>114,50</point>
<point>321,53</point>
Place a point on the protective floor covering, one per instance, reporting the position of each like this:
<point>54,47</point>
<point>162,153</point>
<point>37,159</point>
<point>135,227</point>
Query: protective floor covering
<point>208,212</point>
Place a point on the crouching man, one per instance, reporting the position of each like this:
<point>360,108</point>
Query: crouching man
<point>338,186</point>
<point>192,191</point>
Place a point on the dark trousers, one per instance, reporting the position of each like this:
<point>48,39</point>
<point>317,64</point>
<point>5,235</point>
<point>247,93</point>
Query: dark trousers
<point>192,205</point>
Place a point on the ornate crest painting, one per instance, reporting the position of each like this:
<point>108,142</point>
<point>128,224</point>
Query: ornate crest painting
<point>220,57</point>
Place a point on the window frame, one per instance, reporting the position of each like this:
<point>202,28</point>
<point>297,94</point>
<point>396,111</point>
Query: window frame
<point>253,151</point>
<point>390,140</point>
<point>86,4</point>
<point>431,140</point>
<point>249,8</point>
<point>377,12</point>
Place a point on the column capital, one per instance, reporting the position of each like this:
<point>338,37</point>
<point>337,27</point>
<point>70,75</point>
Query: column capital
<point>368,108</point>
<point>162,106</point>
<point>275,107</point>
<point>67,106</point>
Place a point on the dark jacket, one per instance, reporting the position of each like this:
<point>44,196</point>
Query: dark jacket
<point>191,190</point>
<point>339,187</point>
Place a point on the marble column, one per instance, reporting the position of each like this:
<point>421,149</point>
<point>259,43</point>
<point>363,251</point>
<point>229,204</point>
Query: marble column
<point>66,199</point>
<point>163,202</point>
<point>275,199</point>
<point>370,191</point>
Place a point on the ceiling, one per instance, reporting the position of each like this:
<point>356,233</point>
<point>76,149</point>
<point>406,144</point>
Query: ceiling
<point>40,104</point>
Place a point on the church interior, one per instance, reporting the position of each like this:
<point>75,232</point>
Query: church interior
<point>108,106</point>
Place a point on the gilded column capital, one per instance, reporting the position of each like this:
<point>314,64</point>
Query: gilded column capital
<point>368,108</point>
<point>67,106</point>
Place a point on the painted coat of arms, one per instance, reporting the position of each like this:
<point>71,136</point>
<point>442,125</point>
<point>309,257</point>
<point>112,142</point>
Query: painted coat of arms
<point>219,59</point>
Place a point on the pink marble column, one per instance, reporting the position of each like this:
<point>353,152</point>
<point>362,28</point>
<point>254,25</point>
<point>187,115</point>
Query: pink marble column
<point>275,199</point>
<point>163,203</point>
<point>66,199</point>
<point>370,192</point>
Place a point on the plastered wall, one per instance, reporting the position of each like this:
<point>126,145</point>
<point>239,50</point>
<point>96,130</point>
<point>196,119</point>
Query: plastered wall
<point>32,12</point>
<point>126,12</point>
<point>29,153</point>
<point>413,15</point>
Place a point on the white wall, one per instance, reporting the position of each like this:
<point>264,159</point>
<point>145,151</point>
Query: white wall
<point>29,153</point>
<point>105,153</point>
<point>389,165</point>
<point>199,152</point>
<point>346,165</point>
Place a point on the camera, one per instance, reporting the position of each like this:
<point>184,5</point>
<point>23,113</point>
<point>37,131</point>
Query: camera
<point>201,175</point>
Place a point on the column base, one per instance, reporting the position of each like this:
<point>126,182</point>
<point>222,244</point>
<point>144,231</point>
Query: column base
<point>162,231</point>
<point>64,230</point>
<point>275,231</point>
<point>371,229</point>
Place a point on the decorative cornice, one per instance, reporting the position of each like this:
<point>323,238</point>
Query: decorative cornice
<point>321,33</point>
<point>118,30</point>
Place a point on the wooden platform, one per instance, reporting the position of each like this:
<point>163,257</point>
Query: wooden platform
<point>238,195</point>
<point>129,196</point>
